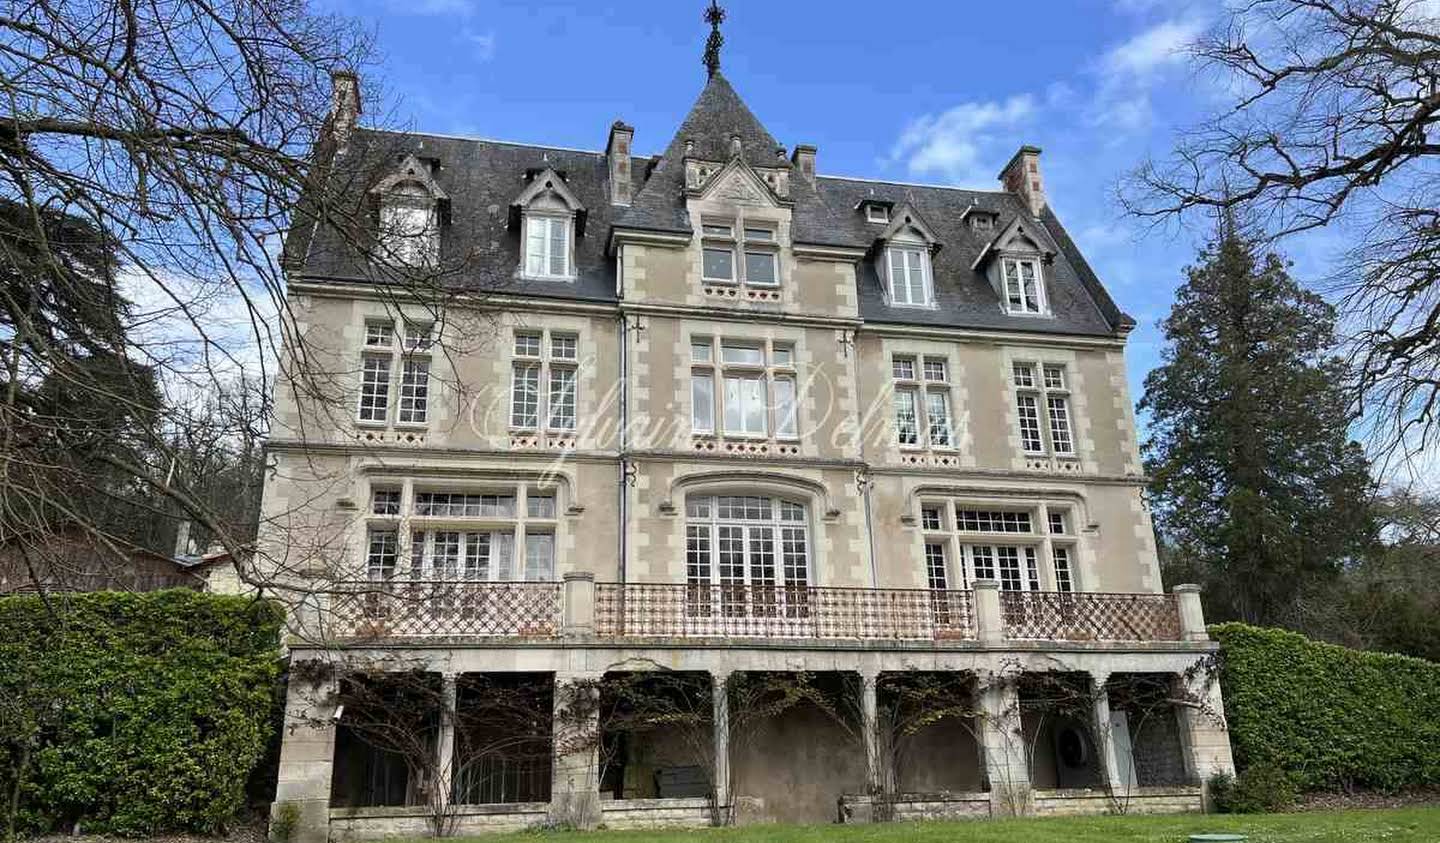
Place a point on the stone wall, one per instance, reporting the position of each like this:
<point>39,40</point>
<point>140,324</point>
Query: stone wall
<point>1144,800</point>
<point>914,807</point>
<point>656,813</point>
<point>347,824</point>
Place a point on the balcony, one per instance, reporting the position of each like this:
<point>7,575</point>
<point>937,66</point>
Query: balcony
<point>582,608</point>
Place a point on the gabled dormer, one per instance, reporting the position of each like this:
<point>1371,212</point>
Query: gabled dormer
<point>411,210</point>
<point>549,217</point>
<point>737,181</point>
<point>1016,261</point>
<point>902,259</point>
<point>876,210</point>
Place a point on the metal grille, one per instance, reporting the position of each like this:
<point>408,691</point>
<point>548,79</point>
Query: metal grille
<point>445,608</point>
<point>755,611</point>
<point>1057,616</point>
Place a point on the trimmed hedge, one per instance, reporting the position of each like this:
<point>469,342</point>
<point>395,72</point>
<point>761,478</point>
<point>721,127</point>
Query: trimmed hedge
<point>1330,717</point>
<point>140,713</point>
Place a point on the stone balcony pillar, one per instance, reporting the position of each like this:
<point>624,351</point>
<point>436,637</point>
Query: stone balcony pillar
<point>575,782</point>
<point>445,743</point>
<point>720,717</point>
<point>1192,616</point>
<point>307,757</point>
<point>578,603</point>
<point>1107,747</point>
<point>1002,745</point>
<point>989,617</point>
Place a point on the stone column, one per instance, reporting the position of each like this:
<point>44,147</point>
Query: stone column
<point>307,758</point>
<point>1204,735</point>
<point>579,603</point>
<point>720,714</point>
<point>1192,616</point>
<point>989,618</point>
<point>870,731</point>
<point>575,777</point>
<point>1104,730</point>
<point>445,743</point>
<point>1002,745</point>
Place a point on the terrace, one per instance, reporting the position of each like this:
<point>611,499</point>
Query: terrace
<point>580,607</point>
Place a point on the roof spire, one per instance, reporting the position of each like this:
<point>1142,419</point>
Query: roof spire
<point>714,16</point>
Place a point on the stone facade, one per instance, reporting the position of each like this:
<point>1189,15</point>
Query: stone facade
<point>726,333</point>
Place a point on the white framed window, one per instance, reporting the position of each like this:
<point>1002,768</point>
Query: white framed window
<point>981,222</point>
<point>748,553</point>
<point>1042,406</point>
<point>382,552</point>
<point>1003,542</point>
<point>465,534</point>
<point>409,364</point>
<point>544,381</point>
<point>909,276</point>
<point>1064,575</point>
<point>409,227</point>
<point>547,246</point>
<point>374,388</point>
<point>877,213</point>
<point>921,385</point>
<point>746,387</point>
<point>1024,286</point>
<point>753,258</point>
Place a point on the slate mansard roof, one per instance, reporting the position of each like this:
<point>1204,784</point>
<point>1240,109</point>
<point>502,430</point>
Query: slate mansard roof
<point>482,178</point>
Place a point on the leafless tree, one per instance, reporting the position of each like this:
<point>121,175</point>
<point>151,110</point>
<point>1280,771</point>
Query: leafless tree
<point>163,165</point>
<point>1332,123</point>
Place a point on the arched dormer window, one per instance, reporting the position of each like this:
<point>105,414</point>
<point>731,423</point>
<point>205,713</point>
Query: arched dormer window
<point>550,217</point>
<point>410,204</point>
<point>904,260</point>
<point>746,556</point>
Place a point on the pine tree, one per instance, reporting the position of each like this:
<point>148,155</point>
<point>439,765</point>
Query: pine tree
<point>1257,486</point>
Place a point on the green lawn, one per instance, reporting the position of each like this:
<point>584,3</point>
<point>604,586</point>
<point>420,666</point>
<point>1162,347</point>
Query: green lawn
<point>1403,825</point>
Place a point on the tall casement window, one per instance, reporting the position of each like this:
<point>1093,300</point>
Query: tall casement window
<point>746,555</point>
<point>383,360</point>
<point>494,535</point>
<point>964,542</point>
<point>543,381</point>
<point>1024,286</point>
<point>1042,406</point>
<point>743,388</point>
<point>410,226</point>
<point>908,269</point>
<point>547,246</point>
<point>922,401</point>
<point>739,252</point>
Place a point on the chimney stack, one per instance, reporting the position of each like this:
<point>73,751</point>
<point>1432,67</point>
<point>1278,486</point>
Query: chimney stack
<point>1022,178</point>
<point>344,104</point>
<point>804,161</point>
<point>617,154</point>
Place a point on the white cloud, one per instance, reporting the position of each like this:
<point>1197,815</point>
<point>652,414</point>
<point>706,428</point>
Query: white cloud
<point>1159,46</point>
<point>482,44</point>
<point>962,144</point>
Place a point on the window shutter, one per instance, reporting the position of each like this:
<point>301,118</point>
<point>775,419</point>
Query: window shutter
<point>558,251</point>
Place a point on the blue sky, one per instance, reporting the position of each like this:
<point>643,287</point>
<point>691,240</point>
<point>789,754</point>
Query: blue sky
<point>934,92</point>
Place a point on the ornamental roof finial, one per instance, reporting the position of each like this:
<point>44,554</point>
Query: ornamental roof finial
<point>714,16</point>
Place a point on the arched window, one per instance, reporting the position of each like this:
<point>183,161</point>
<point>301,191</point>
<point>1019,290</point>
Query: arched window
<point>750,551</point>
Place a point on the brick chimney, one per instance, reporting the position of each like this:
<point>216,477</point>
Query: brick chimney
<point>804,161</point>
<point>1022,178</point>
<point>617,153</point>
<point>344,104</point>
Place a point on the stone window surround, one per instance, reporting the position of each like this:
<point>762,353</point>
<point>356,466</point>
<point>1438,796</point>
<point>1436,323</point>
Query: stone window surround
<point>717,336</point>
<point>1042,390</point>
<point>921,385</point>
<point>959,566</point>
<point>398,350</point>
<point>548,364</point>
<point>739,245</point>
<point>520,483</point>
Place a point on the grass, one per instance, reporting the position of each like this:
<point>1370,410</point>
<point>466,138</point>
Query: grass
<point>1397,825</point>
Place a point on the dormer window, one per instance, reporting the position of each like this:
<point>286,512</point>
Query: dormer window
<point>409,227</point>
<point>1024,292</point>
<point>981,222</point>
<point>877,213</point>
<point>550,218</point>
<point>910,275</point>
<point>547,246</point>
<point>410,208</point>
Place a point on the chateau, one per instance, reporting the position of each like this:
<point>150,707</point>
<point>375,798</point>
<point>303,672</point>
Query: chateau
<point>574,415</point>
